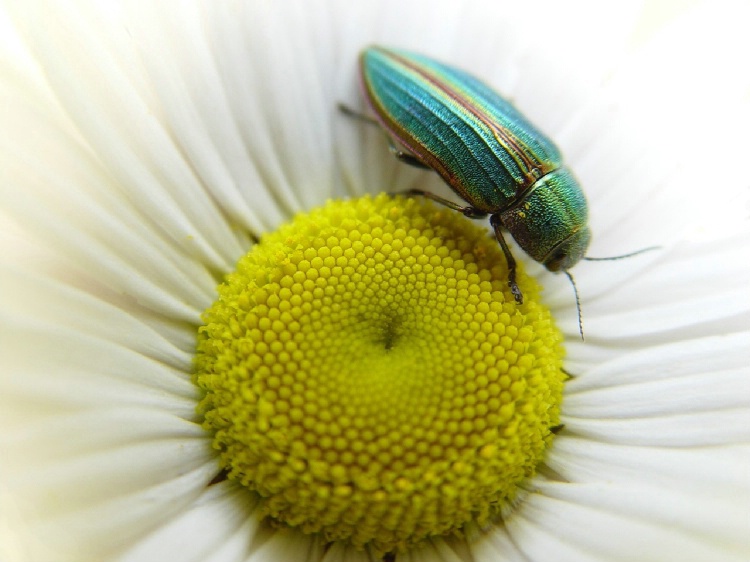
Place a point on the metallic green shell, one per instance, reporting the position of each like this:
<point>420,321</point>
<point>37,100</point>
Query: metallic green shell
<point>486,151</point>
<point>476,140</point>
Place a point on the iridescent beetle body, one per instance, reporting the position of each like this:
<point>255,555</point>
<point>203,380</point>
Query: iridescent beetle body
<point>485,150</point>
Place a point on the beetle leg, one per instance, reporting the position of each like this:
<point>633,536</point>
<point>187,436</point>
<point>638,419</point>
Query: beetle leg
<point>497,225</point>
<point>349,112</point>
<point>467,211</point>
<point>407,158</point>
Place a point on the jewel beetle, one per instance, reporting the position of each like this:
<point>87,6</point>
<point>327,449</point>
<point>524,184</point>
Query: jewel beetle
<point>442,118</point>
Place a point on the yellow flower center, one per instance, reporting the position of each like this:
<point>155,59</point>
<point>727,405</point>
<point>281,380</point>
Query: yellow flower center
<point>369,374</point>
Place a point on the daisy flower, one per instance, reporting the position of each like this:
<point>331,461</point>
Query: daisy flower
<point>203,359</point>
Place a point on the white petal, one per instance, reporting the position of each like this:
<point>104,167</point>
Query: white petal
<point>98,79</point>
<point>73,207</point>
<point>719,522</point>
<point>699,493</point>
<point>691,393</point>
<point>285,544</point>
<point>654,172</point>
<point>239,112</point>
<point>86,504</point>
<point>219,526</point>
<point>583,461</point>
<point>51,327</point>
<point>696,289</point>
<point>497,545</point>
<point>569,529</point>
<point>99,444</point>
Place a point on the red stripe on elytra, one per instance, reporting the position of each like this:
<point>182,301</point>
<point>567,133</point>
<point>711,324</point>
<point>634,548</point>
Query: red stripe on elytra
<point>506,141</point>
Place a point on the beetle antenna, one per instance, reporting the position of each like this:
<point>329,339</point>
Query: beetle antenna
<point>631,254</point>
<point>578,303</point>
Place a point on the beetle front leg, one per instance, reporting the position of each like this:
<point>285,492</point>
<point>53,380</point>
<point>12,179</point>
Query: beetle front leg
<point>497,225</point>
<point>467,211</point>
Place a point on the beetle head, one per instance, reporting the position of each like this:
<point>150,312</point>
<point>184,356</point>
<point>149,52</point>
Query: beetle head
<point>569,252</point>
<point>550,221</point>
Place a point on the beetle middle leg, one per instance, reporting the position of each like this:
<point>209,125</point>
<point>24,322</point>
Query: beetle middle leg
<point>467,211</point>
<point>497,226</point>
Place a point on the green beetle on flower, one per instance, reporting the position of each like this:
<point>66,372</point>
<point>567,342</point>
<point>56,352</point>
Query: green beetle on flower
<point>444,119</point>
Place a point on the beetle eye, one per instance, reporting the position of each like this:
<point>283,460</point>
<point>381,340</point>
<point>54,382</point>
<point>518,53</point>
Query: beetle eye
<point>569,252</point>
<point>554,262</point>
